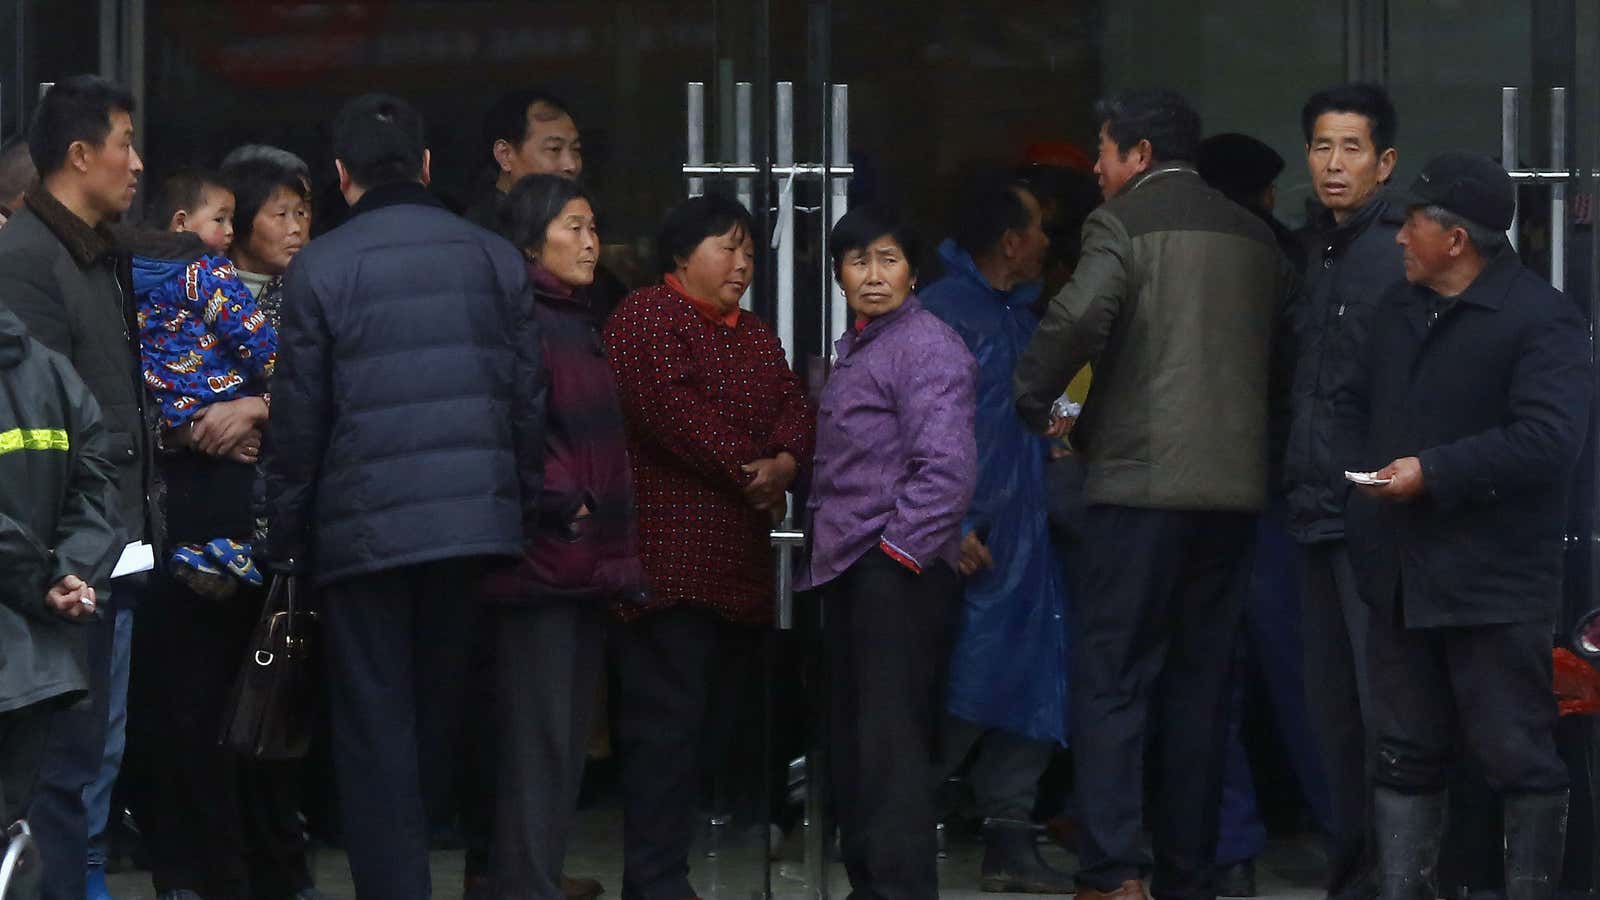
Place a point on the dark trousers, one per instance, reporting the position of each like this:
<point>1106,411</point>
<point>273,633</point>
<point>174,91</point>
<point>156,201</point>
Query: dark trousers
<point>58,814</point>
<point>548,663</point>
<point>669,665</point>
<point>1339,699</point>
<point>1484,689</point>
<point>1005,773</point>
<point>886,633</point>
<point>1158,610</point>
<point>213,822</point>
<point>1270,656</point>
<point>397,645</point>
<point>24,735</point>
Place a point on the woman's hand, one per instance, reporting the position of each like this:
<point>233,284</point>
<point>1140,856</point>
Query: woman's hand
<point>772,478</point>
<point>231,428</point>
<point>974,555</point>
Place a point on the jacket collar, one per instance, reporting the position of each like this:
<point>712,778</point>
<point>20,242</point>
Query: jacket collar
<point>1164,170</point>
<point>87,245</point>
<point>394,194</point>
<point>1489,289</point>
<point>1379,209</point>
<point>959,263</point>
<point>854,340</point>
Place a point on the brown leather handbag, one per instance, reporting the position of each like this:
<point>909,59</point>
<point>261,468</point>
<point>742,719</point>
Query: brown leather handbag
<point>272,710</point>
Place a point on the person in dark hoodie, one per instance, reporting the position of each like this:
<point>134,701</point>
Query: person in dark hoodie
<point>58,541</point>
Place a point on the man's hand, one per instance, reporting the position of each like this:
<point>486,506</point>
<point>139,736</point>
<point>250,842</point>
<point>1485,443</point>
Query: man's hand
<point>772,477</point>
<point>1059,426</point>
<point>231,428</point>
<point>974,555</point>
<point>71,598</point>
<point>1405,483</point>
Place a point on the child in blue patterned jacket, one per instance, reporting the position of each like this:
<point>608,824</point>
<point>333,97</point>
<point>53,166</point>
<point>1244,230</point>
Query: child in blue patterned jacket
<point>202,341</point>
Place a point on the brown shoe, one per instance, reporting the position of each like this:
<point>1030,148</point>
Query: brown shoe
<point>1130,890</point>
<point>580,888</point>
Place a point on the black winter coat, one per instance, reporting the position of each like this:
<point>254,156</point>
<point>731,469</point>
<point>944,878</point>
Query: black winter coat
<point>1350,268</point>
<point>68,285</point>
<point>1494,399</point>
<point>57,515</point>
<point>407,404</point>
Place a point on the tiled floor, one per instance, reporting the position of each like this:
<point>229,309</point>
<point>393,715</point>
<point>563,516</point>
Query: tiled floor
<point>1288,870</point>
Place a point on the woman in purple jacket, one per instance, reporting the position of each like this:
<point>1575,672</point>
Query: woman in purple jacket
<point>896,466</point>
<point>549,612</point>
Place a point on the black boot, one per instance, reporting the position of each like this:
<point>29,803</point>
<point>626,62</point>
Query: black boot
<point>1410,828</point>
<point>1011,861</point>
<point>1237,879</point>
<point>1536,841</point>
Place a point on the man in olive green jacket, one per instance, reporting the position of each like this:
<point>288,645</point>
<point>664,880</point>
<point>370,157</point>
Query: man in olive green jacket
<point>1173,302</point>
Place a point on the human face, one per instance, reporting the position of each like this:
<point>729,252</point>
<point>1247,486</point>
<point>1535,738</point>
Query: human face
<point>1347,168</point>
<point>211,220</point>
<point>1116,166</point>
<point>1031,241</point>
<point>720,268</point>
<point>877,278</point>
<point>551,146</point>
<point>571,244</point>
<point>278,233</point>
<point>1430,248</point>
<point>111,170</point>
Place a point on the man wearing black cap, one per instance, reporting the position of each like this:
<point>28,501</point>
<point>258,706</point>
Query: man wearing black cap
<point>1473,413</point>
<point>1246,169</point>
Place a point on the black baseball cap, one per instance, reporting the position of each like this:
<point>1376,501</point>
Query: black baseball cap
<point>1471,185</point>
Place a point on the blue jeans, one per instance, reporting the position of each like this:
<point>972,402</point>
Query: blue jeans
<point>97,796</point>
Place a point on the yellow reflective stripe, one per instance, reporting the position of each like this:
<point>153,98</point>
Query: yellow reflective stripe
<point>34,439</point>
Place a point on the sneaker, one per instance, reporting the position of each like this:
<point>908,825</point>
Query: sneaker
<point>235,557</point>
<point>198,574</point>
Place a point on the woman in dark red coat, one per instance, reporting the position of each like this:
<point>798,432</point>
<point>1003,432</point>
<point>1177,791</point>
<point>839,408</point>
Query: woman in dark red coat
<point>718,428</point>
<point>549,612</point>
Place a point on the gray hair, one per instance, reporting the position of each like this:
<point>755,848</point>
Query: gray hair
<point>278,156</point>
<point>1485,240</point>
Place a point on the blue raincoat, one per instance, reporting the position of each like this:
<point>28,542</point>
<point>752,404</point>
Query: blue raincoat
<point>1009,668</point>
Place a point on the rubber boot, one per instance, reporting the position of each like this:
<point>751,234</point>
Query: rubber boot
<point>1410,828</point>
<point>1012,865</point>
<point>1536,842</point>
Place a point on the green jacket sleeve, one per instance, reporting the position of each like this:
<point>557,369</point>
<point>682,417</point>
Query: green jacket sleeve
<point>1078,322</point>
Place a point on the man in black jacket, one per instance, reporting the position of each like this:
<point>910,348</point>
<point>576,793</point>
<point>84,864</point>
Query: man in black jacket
<point>1476,404</point>
<point>1352,262</point>
<point>57,541</point>
<point>405,439</point>
<point>61,274</point>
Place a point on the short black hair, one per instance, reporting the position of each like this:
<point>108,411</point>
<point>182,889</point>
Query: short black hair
<point>1160,116</point>
<point>862,225</point>
<point>1360,97</point>
<point>533,203</point>
<point>17,172</point>
<point>989,206</point>
<point>253,183</point>
<point>694,220</point>
<point>507,119</point>
<point>77,109</point>
<point>183,189</point>
<point>380,140</point>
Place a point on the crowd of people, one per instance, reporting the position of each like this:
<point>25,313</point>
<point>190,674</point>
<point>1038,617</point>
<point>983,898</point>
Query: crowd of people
<point>500,473</point>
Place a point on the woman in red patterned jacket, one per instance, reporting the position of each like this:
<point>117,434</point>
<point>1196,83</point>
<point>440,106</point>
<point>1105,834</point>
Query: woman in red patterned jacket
<point>548,613</point>
<point>718,427</point>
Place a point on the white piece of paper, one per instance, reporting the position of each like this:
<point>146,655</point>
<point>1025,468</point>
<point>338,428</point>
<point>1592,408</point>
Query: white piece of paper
<point>1366,478</point>
<point>136,557</point>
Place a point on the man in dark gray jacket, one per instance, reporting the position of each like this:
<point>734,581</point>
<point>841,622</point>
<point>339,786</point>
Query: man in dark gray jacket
<point>1173,302</point>
<point>57,541</point>
<point>1354,261</point>
<point>407,422</point>
<point>61,275</point>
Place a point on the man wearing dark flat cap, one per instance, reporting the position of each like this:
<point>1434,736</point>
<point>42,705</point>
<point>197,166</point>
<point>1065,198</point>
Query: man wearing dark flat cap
<point>1472,412</point>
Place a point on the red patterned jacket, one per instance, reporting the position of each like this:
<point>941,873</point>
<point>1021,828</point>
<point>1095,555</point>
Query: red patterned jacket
<point>701,400</point>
